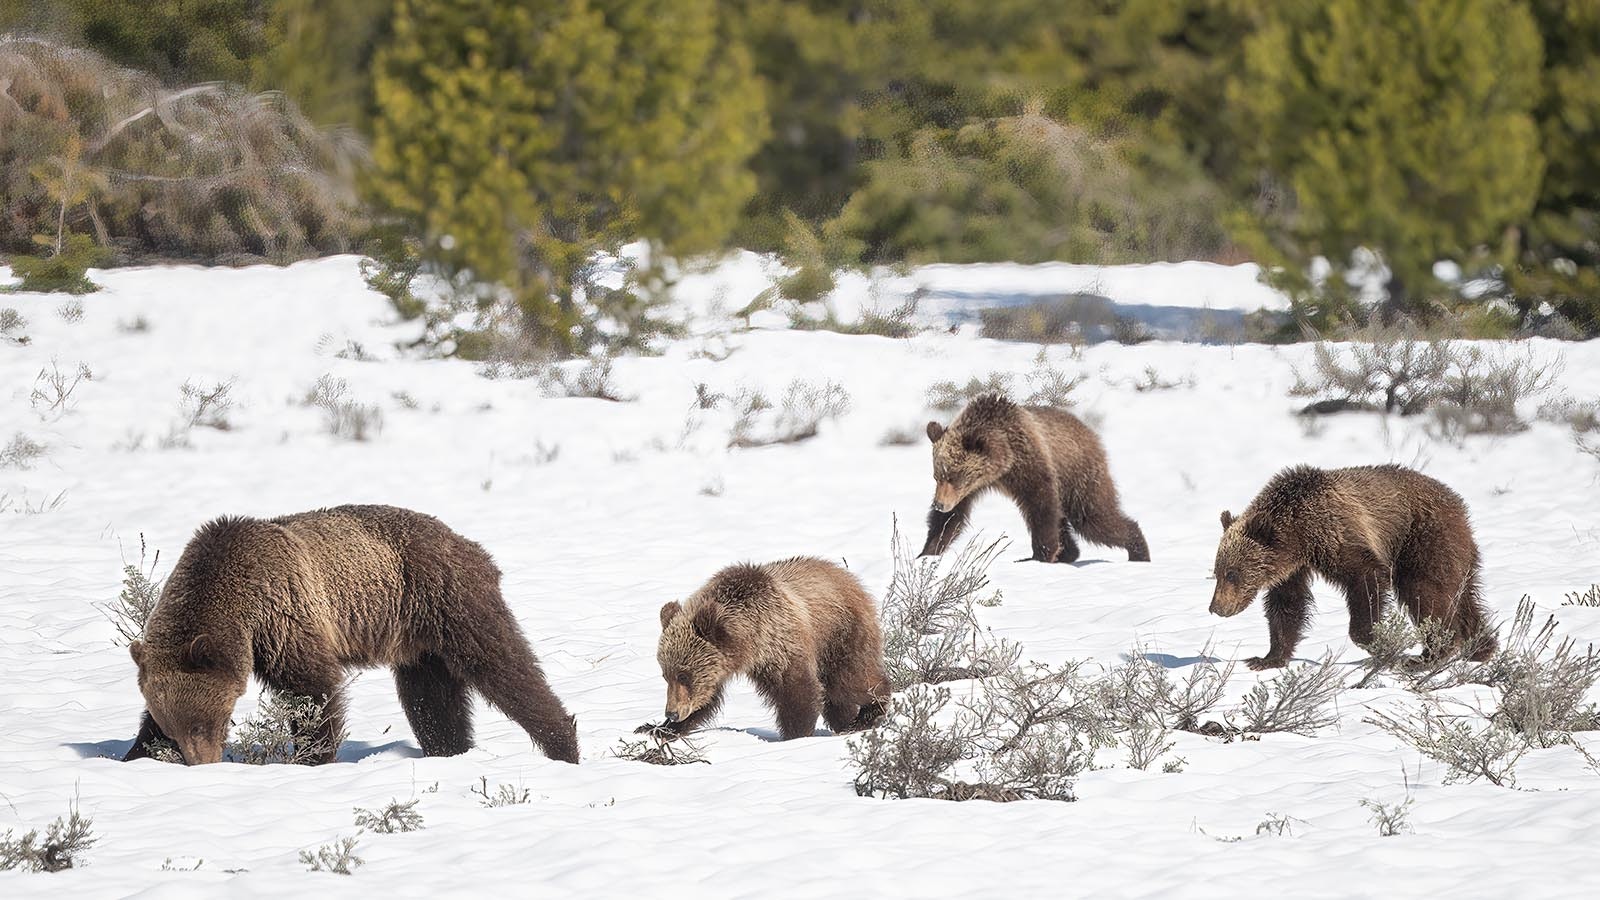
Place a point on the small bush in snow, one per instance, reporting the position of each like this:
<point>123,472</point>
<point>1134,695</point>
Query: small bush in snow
<point>277,733</point>
<point>796,417</point>
<point>1297,701</point>
<point>1050,386</point>
<point>11,321</point>
<point>899,322</point>
<point>930,631</point>
<point>1591,597</point>
<point>592,380</point>
<point>1391,369</point>
<point>901,437</point>
<point>1581,417</point>
<point>1028,735</point>
<point>1393,637</point>
<point>71,311</point>
<point>338,857</point>
<point>1468,388</point>
<point>1069,319</point>
<point>660,748</point>
<point>1276,825</point>
<point>53,390</point>
<point>20,452</point>
<point>57,851</point>
<point>140,591</point>
<point>1469,745</point>
<point>1391,818</point>
<point>1138,693</point>
<point>206,406</point>
<point>343,417</point>
<point>1543,683</point>
<point>1481,389</point>
<point>948,396</point>
<point>395,817</point>
<point>1152,381</point>
<point>504,794</point>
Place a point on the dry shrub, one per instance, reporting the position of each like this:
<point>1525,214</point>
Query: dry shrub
<point>338,857</point>
<point>1074,318</point>
<point>928,615</point>
<point>140,590</point>
<point>1297,701</point>
<point>343,417</point>
<point>1466,743</point>
<point>798,416</point>
<point>394,818</point>
<point>276,734</point>
<point>57,851</point>
<point>209,172</point>
<point>1542,683</point>
<point>660,747</point>
<point>503,794</point>
<point>20,452</point>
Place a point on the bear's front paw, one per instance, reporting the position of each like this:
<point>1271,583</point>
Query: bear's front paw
<point>1257,663</point>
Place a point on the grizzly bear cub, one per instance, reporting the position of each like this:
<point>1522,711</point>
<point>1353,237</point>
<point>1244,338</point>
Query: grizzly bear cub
<point>1046,460</point>
<point>296,600</point>
<point>1364,529</point>
<point>802,629</point>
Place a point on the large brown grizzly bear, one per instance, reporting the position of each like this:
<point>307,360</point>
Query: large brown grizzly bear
<point>1046,460</point>
<point>298,599</point>
<point>802,629</point>
<point>1364,529</point>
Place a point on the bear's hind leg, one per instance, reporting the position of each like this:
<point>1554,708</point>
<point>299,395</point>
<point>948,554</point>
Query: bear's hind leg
<point>1117,530</point>
<point>1437,586</point>
<point>512,681</point>
<point>795,694</point>
<point>857,693</point>
<point>436,704</point>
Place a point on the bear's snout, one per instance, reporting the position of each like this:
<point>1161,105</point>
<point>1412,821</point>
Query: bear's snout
<point>945,496</point>
<point>1225,606</point>
<point>671,717</point>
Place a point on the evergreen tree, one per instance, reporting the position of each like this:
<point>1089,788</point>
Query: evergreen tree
<point>1402,126</point>
<point>1559,260</point>
<point>320,54</point>
<point>521,138</point>
<point>178,41</point>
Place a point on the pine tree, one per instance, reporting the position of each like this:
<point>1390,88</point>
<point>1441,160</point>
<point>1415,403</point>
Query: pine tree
<point>1402,126</point>
<point>1559,260</point>
<point>520,138</point>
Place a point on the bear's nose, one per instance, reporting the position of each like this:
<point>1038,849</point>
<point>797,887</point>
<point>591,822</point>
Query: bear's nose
<point>672,717</point>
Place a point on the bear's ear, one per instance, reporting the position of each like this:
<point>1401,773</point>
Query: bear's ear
<point>669,611</point>
<point>935,431</point>
<point>1227,519</point>
<point>136,650</point>
<point>203,654</point>
<point>709,626</point>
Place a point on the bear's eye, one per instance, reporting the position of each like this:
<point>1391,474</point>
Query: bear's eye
<point>683,678</point>
<point>973,445</point>
<point>1231,578</point>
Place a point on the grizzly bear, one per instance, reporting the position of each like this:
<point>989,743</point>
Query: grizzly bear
<point>299,599</point>
<point>1046,460</point>
<point>802,629</point>
<point>1364,529</point>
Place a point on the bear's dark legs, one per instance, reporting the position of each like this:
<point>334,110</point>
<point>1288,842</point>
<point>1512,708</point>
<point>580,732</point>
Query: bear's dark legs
<point>1363,587</point>
<point>1288,608</point>
<point>437,705</point>
<point>1046,524</point>
<point>1117,530</point>
<point>1069,545</point>
<point>512,681</point>
<point>856,694</point>
<point>796,698</point>
<point>1432,583</point>
<point>945,527</point>
<point>307,667</point>
<point>149,732</point>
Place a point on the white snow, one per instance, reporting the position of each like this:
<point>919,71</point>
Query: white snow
<point>593,542</point>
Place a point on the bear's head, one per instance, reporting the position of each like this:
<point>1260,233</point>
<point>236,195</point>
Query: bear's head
<point>1250,559</point>
<point>190,691</point>
<point>694,657</point>
<point>973,452</point>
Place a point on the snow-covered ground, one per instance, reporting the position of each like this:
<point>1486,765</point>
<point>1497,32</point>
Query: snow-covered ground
<point>640,504</point>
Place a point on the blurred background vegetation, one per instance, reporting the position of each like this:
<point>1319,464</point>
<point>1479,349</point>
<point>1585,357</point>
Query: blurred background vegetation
<point>501,144</point>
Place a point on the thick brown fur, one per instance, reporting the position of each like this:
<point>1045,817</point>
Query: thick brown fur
<point>1365,530</point>
<point>300,599</point>
<point>1046,460</point>
<point>804,630</point>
